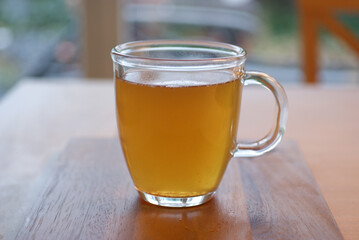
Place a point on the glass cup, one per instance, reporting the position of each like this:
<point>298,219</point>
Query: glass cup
<point>178,106</point>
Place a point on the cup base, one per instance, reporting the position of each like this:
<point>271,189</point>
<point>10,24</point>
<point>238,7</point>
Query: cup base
<point>176,202</point>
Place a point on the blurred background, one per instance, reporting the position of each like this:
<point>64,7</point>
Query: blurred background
<point>69,39</point>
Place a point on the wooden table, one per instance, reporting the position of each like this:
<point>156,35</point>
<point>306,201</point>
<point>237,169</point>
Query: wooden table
<point>38,118</point>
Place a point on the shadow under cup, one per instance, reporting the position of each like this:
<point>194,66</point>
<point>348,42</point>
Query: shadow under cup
<point>178,105</point>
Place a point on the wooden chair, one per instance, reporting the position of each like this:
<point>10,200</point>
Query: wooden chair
<point>314,14</point>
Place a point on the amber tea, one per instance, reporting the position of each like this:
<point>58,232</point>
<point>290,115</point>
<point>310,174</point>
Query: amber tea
<point>177,136</point>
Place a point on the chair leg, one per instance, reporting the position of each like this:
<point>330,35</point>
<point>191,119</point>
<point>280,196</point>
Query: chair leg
<point>309,47</point>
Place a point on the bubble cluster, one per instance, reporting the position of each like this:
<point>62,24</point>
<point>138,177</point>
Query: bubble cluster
<point>178,79</point>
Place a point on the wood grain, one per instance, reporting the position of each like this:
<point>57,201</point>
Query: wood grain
<point>37,119</point>
<point>91,196</point>
<point>282,198</point>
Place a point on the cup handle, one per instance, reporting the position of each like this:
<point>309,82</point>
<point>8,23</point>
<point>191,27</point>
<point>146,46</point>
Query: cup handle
<point>271,140</point>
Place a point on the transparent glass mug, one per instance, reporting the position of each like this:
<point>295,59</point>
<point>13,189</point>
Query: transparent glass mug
<point>178,105</point>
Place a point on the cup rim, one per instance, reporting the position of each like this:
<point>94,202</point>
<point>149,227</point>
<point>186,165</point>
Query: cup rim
<point>234,55</point>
